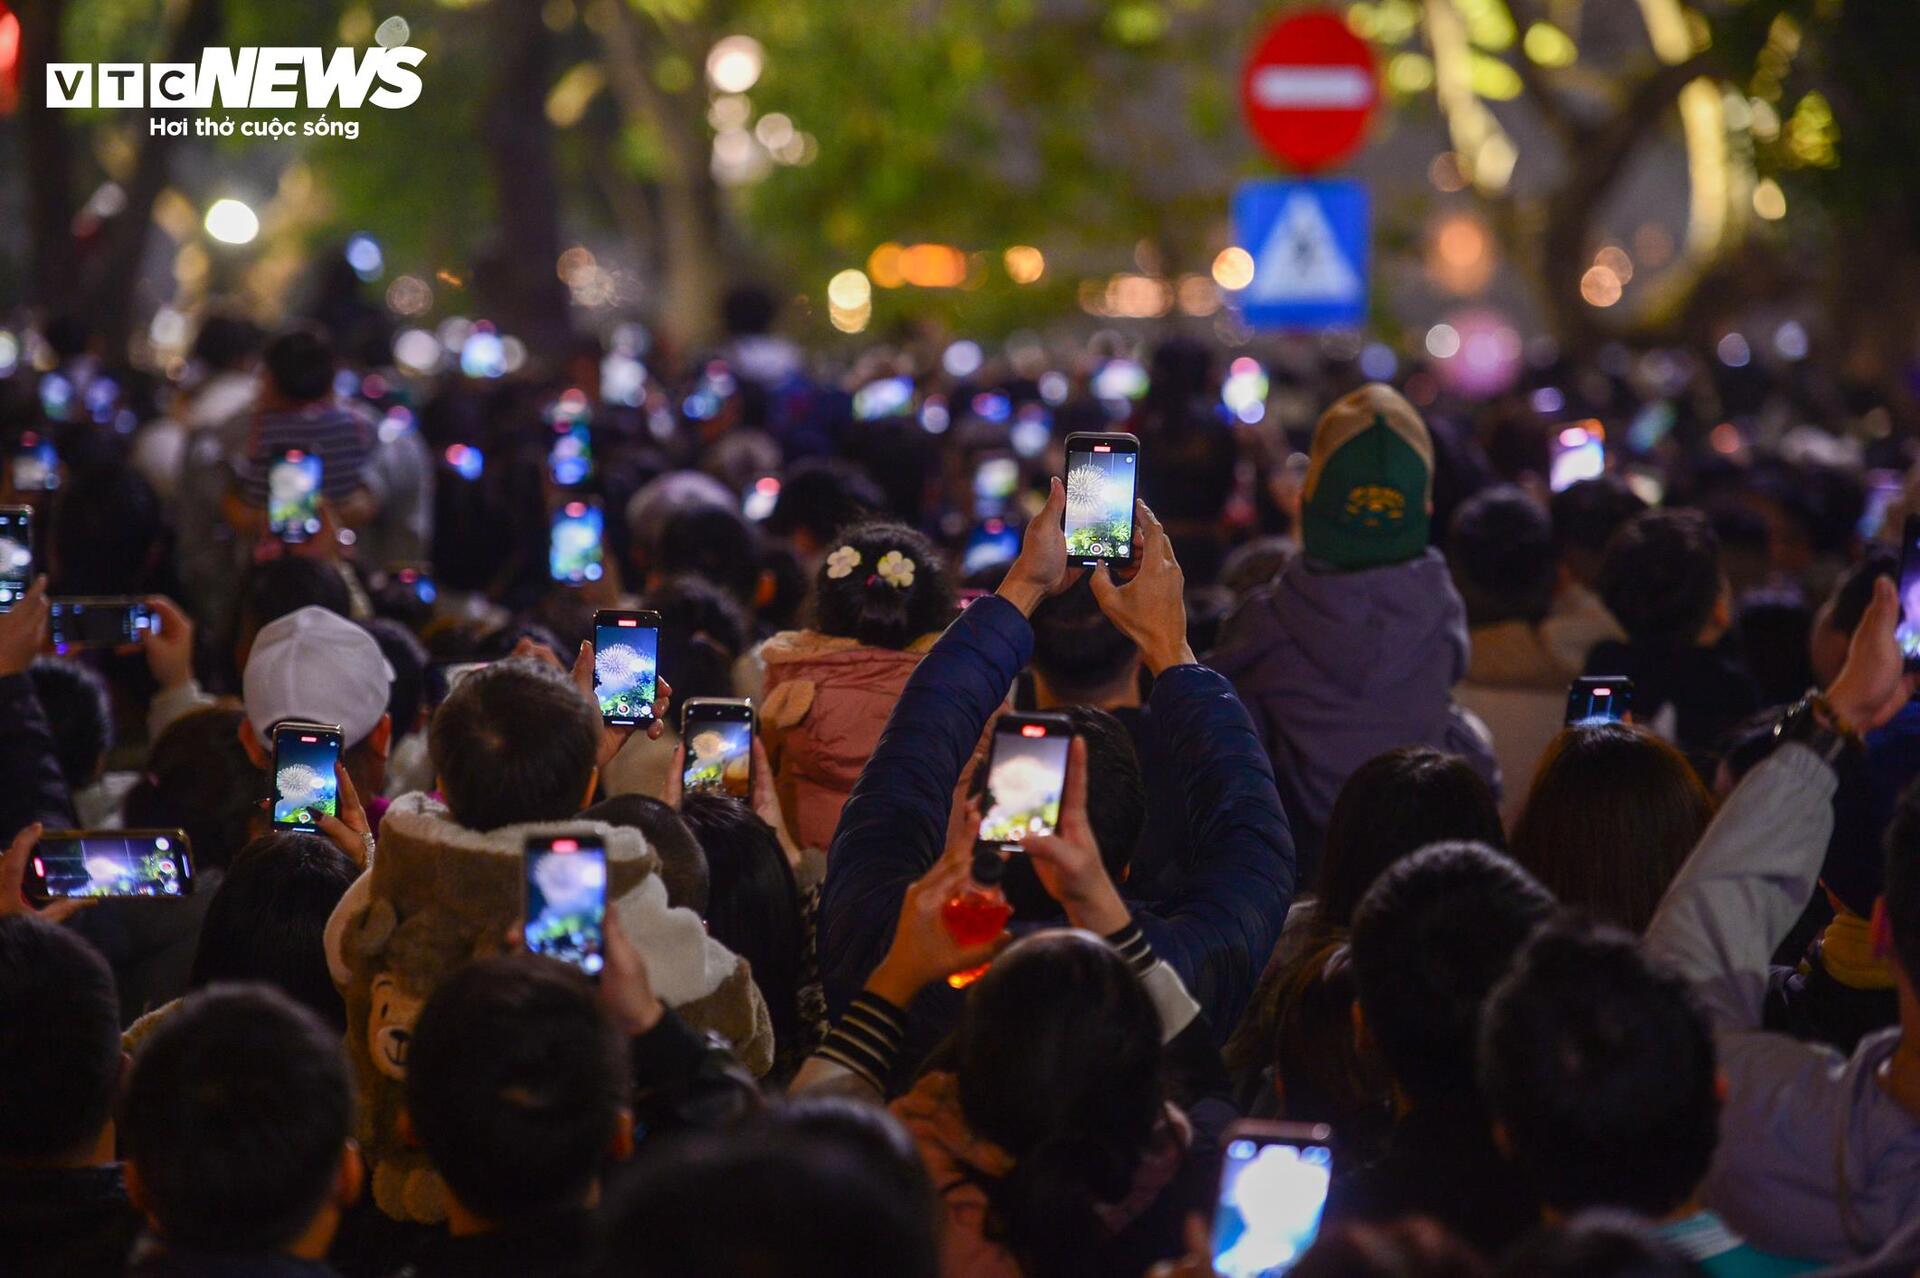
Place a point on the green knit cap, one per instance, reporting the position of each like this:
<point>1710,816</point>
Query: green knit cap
<point>1369,482</point>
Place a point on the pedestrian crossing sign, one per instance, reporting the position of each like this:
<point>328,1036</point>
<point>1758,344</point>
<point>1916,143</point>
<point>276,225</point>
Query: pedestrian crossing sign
<point>1308,241</point>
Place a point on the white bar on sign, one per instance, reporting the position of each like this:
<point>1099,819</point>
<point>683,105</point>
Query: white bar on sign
<point>1323,88</point>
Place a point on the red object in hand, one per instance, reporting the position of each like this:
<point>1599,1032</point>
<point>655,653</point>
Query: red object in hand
<point>978,913</point>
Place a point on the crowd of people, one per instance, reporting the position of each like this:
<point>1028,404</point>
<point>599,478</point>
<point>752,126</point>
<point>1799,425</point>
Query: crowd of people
<point>1549,993</point>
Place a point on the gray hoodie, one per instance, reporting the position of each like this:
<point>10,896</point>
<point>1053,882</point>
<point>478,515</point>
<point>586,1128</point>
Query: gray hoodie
<point>1815,1160</point>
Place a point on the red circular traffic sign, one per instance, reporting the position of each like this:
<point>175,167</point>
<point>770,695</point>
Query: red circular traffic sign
<point>1308,90</point>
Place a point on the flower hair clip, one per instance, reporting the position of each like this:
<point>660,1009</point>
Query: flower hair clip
<point>842,562</point>
<point>895,569</point>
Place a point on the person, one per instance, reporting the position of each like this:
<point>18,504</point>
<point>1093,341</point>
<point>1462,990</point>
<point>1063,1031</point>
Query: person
<point>683,863</point>
<point>1413,1248</point>
<point>237,1126</point>
<point>63,1203</point>
<point>1501,553</point>
<point>1599,1071</point>
<point>1662,579</point>
<point>296,409</point>
<point>220,386</point>
<point>1601,1243</point>
<point>32,788</point>
<point>199,778</point>
<point>107,536</point>
<point>281,587</point>
<point>407,767</point>
<point>881,597</point>
<point>1612,814</point>
<point>714,543</point>
<point>1354,648</point>
<point>1819,1152</point>
<point>818,497</point>
<point>1586,514</point>
<point>80,712</point>
<point>1431,938</point>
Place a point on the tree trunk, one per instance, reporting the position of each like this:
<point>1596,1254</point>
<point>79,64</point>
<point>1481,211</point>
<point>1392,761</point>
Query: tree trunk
<point>48,156</point>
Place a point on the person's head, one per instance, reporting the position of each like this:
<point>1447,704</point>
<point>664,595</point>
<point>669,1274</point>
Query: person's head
<point>1500,548</point>
<point>884,585</point>
<point>714,542</point>
<point>1599,1072</point>
<point>683,865</point>
<point>1586,514</point>
<point>703,631</point>
<point>280,587</point>
<point>1253,564</point>
<point>1416,1247</point>
<point>59,1045</point>
<point>315,665</point>
<point>1613,814</point>
<point>1896,917</point>
<point>1661,578</point>
<point>407,658</point>
<point>515,741</point>
<point>753,906</point>
<point>1430,940</point>
<point>517,1087</point>
<point>818,497</point>
<point>108,534</point>
<point>1839,617</point>
<point>1393,805</point>
<point>237,1126</point>
<point>1059,1064</point>
<point>660,499</point>
<point>298,363</point>
<point>201,779</point>
<point>267,917</point>
<point>1080,657</point>
<point>1602,1243</point>
<point>1368,492</point>
<point>226,343</point>
<point>80,712</point>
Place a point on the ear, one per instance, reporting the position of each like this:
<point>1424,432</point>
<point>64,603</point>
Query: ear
<point>1880,929</point>
<point>351,1178</point>
<point>593,783</point>
<point>380,740</point>
<point>620,1148</point>
<point>1721,1088</point>
<point>1362,1036</point>
<point>763,590</point>
<point>256,753</point>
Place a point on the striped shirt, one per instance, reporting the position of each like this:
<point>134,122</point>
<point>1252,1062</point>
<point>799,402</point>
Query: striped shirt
<point>341,438</point>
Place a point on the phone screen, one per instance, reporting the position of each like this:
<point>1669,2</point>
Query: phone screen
<point>304,785</point>
<point>1026,776</point>
<point>719,751</point>
<point>990,545</point>
<point>16,553</point>
<point>1272,1193</point>
<point>566,911</point>
<point>626,650</point>
<point>83,863</point>
<point>1578,453</point>
<point>573,551</point>
<point>293,496</point>
<point>36,465</point>
<point>1907,633</point>
<point>888,397</point>
<point>570,455</point>
<point>99,623</point>
<point>1100,485</point>
<point>995,480</point>
<point>1599,700</point>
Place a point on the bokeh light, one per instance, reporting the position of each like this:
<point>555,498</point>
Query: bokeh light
<point>232,222</point>
<point>1025,263</point>
<point>1233,268</point>
<point>849,290</point>
<point>1600,287</point>
<point>734,63</point>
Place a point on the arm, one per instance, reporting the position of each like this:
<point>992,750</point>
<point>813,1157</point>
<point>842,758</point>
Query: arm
<point>31,787</point>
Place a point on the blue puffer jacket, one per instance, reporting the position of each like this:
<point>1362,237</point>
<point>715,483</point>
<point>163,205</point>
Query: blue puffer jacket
<point>1216,934</point>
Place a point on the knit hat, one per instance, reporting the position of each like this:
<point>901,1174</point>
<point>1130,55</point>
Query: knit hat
<point>1369,482</point>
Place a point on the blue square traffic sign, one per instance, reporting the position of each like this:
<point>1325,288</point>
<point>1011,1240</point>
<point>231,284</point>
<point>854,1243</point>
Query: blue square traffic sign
<point>1308,241</point>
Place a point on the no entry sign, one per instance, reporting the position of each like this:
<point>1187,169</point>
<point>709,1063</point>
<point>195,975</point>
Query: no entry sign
<point>1309,89</point>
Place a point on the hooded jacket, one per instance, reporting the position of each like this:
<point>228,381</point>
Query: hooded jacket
<point>1517,687</point>
<point>1339,667</point>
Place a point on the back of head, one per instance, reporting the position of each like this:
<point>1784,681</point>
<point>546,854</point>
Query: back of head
<point>713,542</point>
<point>515,741</point>
<point>226,342</point>
<point>1902,890</point>
<point>1412,1248</point>
<point>1597,1244</point>
<point>515,1082</point>
<point>266,920</point>
<point>1500,548</point>
<point>299,363</point>
<point>883,585</point>
<point>683,865</point>
<point>819,496</point>
<point>1600,1069</point>
<point>1661,576</point>
<point>753,904</point>
<point>199,779</point>
<point>79,711</point>
<point>1585,517</point>
<point>703,630</point>
<point>1393,805</point>
<point>1369,482</point>
<point>235,1120</point>
<point>107,531</point>
<point>1613,814</point>
<point>59,1041</point>
<point>1430,941</point>
<point>1081,655</point>
<point>278,587</point>
<point>407,694</point>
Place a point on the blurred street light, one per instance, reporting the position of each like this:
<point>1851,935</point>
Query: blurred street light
<point>232,222</point>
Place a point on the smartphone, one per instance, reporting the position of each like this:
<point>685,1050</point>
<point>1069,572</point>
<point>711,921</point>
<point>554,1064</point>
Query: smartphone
<point>1026,776</point>
<point>570,453</point>
<point>1599,699</point>
<point>16,553</point>
<point>1883,486</point>
<point>293,496</point>
<point>626,650</point>
<point>1273,1189</point>
<point>574,553</point>
<point>305,787</point>
<point>995,480</point>
<point>565,911</point>
<point>718,732</point>
<point>1101,474</point>
<point>1578,452</point>
<point>419,579</point>
<point>993,543</point>
<point>36,464</point>
<point>1907,632</point>
<point>109,863</point>
<point>100,622</point>
<point>888,397</point>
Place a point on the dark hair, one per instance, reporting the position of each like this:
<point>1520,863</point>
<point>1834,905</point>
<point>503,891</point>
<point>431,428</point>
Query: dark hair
<point>407,693</point>
<point>79,711</point>
<point>703,630</point>
<point>226,342</point>
<point>267,918</point>
<point>1500,548</point>
<point>1600,1067</point>
<point>199,779</point>
<point>753,906</point>
<point>714,542</point>
<point>299,362</point>
<point>236,1118</point>
<point>1661,576</point>
<point>1075,648</point>
<point>1597,1244</point>
<point>789,586</point>
<point>873,1133</point>
<point>748,309</point>
<point>515,1081</point>
<point>59,1039</point>
<point>1059,1064</point>
<point>1430,940</point>
<point>863,605</point>
<point>1415,1247</point>
<point>1854,590</point>
<point>821,495</point>
<point>1586,514</point>
<point>1902,887</point>
<point>283,586</point>
<point>683,865</point>
<point>1613,814</point>
<point>107,531</point>
<point>1391,806</point>
<point>514,741</point>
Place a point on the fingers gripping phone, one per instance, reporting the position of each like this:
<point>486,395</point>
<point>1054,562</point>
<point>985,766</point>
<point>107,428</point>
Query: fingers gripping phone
<point>305,785</point>
<point>565,908</point>
<point>626,652</point>
<point>1026,777</point>
<point>16,554</point>
<point>1102,474</point>
<point>1599,699</point>
<point>1273,1189</point>
<point>293,496</point>
<point>1907,632</point>
<point>87,864</point>
<point>99,622</point>
<point>718,732</point>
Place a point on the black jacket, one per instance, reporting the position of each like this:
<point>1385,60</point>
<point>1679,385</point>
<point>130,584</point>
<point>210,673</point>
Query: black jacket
<point>558,1245</point>
<point>66,1223</point>
<point>31,787</point>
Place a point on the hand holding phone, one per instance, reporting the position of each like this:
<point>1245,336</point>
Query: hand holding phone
<point>626,652</point>
<point>1026,779</point>
<point>71,865</point>
<point>1907,632</point>
<point>16,553</point>
<point>100,622</point>
<point>718,735</point>
<point>565,903</point>
<point>305,785</point>
<point>1102,477</point>
<point>1274,1182</point>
